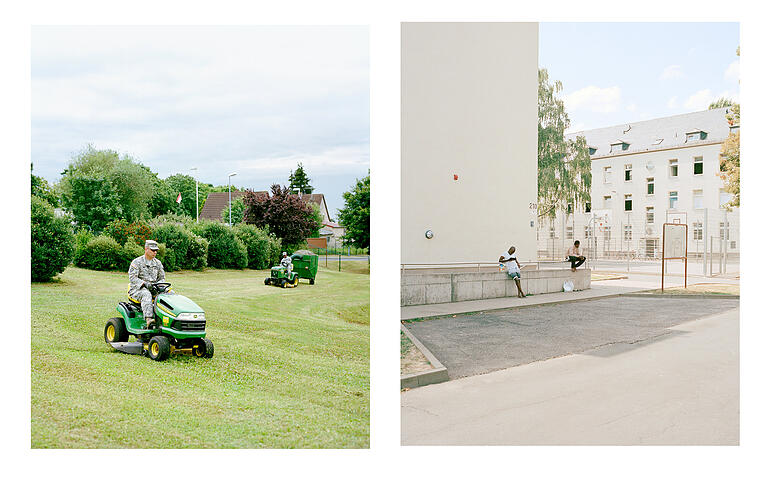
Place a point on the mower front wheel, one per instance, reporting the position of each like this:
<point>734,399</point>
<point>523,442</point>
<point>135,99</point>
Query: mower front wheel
<point>204,348</point>
<point>159,348</point>
<point>115,332</point>
<point>266,281</point>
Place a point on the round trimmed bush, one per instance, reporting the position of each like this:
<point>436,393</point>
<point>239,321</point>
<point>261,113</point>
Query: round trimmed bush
<point>122,231</point>
<point>103,253</point>
<point>263,248</point>
<point>53,242</point>
<point>197,253</point>
<point>225,250</point>
<point>185,250</point>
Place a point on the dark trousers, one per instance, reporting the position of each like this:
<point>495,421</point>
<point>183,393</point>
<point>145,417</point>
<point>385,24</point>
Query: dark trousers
<point>573,260</point>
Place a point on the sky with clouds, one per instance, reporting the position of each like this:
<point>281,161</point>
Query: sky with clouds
<point>615,73</point>
<point>251,100</point>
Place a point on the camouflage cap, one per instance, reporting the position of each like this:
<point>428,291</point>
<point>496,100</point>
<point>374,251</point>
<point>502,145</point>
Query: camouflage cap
<point>150,244</point>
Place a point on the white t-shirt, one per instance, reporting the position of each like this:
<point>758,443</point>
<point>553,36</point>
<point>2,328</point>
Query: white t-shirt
<point>512,266</point>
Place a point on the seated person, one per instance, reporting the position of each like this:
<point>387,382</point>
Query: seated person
<point>287,262</point>
<point>143,271</point>
<point>575,257</point>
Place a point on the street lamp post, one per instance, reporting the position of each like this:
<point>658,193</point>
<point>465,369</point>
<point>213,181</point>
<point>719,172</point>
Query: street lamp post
<point>229,185</point>
<point>197,207</point>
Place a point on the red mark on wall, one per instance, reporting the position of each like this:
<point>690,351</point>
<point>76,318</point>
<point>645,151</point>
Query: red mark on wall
<point>455,177</point>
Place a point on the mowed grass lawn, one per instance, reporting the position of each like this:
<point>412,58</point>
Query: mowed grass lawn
<point>291,366</point>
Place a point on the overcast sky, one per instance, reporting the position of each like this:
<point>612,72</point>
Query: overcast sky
<point>614,73</point>
<point>251,100</point>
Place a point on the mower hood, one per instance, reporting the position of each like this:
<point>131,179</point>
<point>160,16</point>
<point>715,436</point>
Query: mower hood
<point>176,304</point>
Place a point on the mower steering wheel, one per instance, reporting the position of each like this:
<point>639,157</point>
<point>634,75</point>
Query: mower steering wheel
<point>161,287</point>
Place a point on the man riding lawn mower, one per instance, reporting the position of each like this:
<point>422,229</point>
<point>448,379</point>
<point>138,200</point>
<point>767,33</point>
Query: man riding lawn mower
<point>283,275</point>
<point>160,320</point>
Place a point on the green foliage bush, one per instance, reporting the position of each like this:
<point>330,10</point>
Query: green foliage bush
<point>103,253</point>
<point>263,248</point>
<point>82,237</point>
<point>172,218</point>
<point>131,250</point>
<point>225,250</point>
<point>184,250</point>
<point>53,243</point>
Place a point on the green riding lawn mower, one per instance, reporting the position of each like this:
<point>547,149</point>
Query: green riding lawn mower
<point>179,327</point>
<point>304,267</point>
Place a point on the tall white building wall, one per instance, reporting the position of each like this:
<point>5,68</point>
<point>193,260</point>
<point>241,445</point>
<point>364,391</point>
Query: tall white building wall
<point>469,109</point>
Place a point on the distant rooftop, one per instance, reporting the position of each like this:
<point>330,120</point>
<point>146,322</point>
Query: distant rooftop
<point>658,134</point>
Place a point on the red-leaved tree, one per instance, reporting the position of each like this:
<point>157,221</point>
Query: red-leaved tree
<point>287,216</point>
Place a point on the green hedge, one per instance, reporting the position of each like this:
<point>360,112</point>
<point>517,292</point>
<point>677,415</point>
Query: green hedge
<point>185,250</point>
<point>263,248</point>
<point>53,242</point>
<point>122,231</point>
<point>225,250</point>
<point>103,253</point>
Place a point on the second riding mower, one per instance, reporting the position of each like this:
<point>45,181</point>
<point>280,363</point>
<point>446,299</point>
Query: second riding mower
<point>304,265</point>
<point>179,326</point>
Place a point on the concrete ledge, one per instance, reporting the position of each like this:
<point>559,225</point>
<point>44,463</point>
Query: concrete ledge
<point>690,296</point>
<point>438,374</point>
<point>420,289</point>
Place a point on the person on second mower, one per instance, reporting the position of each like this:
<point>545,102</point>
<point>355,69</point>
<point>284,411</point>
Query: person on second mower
<point>145,270</point>
<point>287,262</point>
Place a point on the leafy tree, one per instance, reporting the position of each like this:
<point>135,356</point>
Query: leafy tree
<point>53,242</point>
<point>238,207</point>
<point>93,202</point>
<point>287,216</point>
<point>163,198</point>
<point>130,183</point>
<point>730,158</point>
<point>356,214</point>
<point>42,189</point>
<point>317,215</point>
<point>564,165</point>
<point>720,103</point>
<point>299,181</point>
<point>185,185</point>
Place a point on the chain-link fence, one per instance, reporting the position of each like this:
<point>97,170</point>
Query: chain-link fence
<point>636,236</point>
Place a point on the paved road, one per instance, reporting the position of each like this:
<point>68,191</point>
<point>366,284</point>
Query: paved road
<point>679,388</point>
<point>473,344</point>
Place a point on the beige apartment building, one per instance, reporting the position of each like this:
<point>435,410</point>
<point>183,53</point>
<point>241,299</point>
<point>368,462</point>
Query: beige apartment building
<point>644,174</point>
<point>469,141</point>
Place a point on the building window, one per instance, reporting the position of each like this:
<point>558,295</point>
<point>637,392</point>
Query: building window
<point>569,232</point>
<point>569,208</point>
<point>587,207</point>
<point>672,199</point>
<point>698,165</point>
<point>592,151</point>
<point>552,234</point>
<point>607,201</point>
<point>627,172</point>
<point>698,199</point>
<point>619,147</point>
<point>695,136</point>
<point>698,231</point>
<point>606,174</point>
<point>588,231</point>
<point>649,215</point>
<point>658,141</point>
<point>649,183</point>
<point>725,197</point>
<point>733,244</point>
<point>725,231</point>
<point>627,232</point>
<point>607,233</point>
<point>672,167</point>
<point>628,203</point>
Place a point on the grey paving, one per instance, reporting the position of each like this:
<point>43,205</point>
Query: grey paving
<point>674,390</point>
<point>473,344</point>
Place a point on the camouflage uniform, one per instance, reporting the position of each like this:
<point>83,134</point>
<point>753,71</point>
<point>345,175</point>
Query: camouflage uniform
<point>141,271</point>
<point>287,262</point>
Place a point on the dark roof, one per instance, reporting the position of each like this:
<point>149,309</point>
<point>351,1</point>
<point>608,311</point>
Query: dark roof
<point>671,130</point>
<point>216,202</point>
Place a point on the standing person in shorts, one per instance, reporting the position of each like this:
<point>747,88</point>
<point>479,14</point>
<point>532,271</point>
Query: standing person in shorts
<point>513,268</point>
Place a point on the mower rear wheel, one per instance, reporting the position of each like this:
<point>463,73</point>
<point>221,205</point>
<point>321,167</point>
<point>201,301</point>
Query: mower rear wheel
<point>311,281</point>
<point>159,348</point>
<point>204,348</point>
<point>282,283</point>
<point>115,332</point>
<point>266,281</point>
